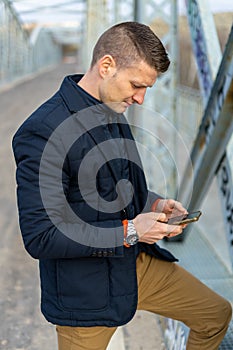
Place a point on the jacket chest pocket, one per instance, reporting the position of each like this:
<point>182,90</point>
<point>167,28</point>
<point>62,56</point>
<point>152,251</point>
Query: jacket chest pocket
<point>83,284</point>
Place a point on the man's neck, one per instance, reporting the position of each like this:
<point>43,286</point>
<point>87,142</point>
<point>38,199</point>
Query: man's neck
<point>89,83</point>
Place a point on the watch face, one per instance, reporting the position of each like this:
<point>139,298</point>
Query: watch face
<point>132,239</point>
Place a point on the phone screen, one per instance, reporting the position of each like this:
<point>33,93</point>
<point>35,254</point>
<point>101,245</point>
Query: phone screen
<point>185,219</point>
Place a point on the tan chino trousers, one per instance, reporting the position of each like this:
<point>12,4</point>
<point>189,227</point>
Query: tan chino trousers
<point>166,289</point>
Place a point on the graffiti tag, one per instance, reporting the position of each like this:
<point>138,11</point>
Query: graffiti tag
<point>226,190</point>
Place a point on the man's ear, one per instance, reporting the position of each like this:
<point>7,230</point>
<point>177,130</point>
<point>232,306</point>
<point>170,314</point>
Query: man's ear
<point>106,66</point>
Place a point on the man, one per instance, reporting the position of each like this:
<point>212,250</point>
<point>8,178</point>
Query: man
<point>87,215</point>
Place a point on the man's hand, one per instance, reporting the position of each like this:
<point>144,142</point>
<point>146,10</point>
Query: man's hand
<point>151,227</point>
<point>170,207</point>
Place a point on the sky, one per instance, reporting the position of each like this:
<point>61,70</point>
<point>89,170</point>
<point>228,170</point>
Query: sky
<point>221,5</point>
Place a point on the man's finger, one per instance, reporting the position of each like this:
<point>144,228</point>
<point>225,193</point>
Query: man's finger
<point>158,216</point>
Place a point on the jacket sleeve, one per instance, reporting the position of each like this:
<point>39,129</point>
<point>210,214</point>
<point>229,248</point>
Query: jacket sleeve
<point>151,199</point>
<point>46,234</point>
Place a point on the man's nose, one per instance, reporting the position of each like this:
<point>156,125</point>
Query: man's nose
<point>139,96</point>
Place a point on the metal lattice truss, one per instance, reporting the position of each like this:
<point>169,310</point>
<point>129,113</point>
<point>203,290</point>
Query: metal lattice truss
<point>64,18</point>
<point>49,12</point>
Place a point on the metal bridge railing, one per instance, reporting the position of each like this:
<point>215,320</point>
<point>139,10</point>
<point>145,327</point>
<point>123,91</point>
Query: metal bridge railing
<point>164,147</point>
<point>21,54</point>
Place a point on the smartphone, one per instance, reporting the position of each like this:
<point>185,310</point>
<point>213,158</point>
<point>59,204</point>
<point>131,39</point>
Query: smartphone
<point>185,219</point>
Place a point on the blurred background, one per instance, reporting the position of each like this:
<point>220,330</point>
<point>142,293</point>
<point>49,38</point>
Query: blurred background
<point>183,130</point>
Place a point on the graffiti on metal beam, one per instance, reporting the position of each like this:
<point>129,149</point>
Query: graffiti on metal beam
<point>199,44</point>
<point>216,102</point>
<point>225,184</point>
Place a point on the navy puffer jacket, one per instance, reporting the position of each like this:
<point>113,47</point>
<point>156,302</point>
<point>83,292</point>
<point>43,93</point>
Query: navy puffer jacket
<point>88,277</point>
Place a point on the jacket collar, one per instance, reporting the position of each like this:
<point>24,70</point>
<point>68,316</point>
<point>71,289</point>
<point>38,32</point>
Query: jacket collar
<point>74,96</point>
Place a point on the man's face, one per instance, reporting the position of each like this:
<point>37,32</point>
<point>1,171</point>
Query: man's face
<point>120,88</point>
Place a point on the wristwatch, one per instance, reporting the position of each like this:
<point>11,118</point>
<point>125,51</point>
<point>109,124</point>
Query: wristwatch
<point>131,236</point>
